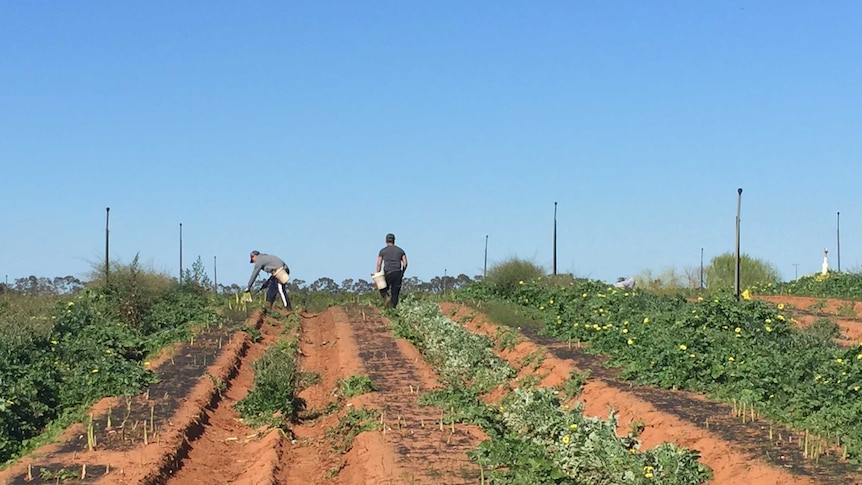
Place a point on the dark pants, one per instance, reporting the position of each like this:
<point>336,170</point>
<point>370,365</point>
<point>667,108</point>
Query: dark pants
<point>274,289</point>
<point>393,286</point>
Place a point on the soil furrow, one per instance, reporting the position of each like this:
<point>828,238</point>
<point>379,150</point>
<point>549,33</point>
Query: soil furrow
<point>429,452</point>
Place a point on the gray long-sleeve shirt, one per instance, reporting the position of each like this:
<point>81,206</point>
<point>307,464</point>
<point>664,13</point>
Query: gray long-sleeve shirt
<point>266,262</point>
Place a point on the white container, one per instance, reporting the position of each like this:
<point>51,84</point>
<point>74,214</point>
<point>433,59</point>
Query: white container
<point>281,275</point>
<point>379,280</point>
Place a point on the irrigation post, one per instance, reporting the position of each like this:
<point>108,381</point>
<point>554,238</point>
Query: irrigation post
<point>215,275</point>
<point>555,238</point>
<point>838,236</point>
<point>701,269</point>
<point>107,242</point>
<point>485,269</point>
<point>796,272</point>
<point>737,268</point>
<point>181,252</point>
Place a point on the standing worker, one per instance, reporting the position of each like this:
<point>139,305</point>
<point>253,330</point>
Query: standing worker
<point>277,282</point>
<point>394,263</point>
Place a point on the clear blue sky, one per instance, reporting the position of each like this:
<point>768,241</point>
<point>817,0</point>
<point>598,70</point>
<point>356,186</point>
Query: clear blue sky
<point>311,129</point>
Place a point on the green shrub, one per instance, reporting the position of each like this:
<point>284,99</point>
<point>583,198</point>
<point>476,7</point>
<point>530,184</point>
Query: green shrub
<point>505,277</point>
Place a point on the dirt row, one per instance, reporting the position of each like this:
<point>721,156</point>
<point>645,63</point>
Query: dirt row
<point>846,314</point>
<point>195,436</point>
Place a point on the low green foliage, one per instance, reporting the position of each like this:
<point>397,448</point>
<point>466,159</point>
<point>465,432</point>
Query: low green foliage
<point>356,385</point>
<point>351,425</point>
<point>273,399</point>
<point>746,351</point>
<point>462,357</point>
<point>61,358</point>
<point>536,440</point>
<point>831,285</point>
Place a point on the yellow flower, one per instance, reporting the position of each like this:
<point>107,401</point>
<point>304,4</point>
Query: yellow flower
<point>631,342</point>
<point>839,361</point>
<point>573,426</point>
<point>551,301</point>
<point>691,355</point>
<point>521,282</point>
<point>768,328</point>
<point>682,347</point>
<point>95,370</point>
<point>625,330</point>
<point>780,318</point>
<point>817,377</point>
<point>566,439</point>
<point>737,330</point>
<point>730,359</point>
<point>856,388</point>
<point>646,319</point>
<point>768,320</point>
<point>781,306</point>
<point>699,299</point>
<point>746,295</point>
<point>71,303</point>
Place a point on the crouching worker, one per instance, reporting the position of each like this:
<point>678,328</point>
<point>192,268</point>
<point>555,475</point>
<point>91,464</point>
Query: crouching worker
<point>276,285</point>
<point>625,283</point>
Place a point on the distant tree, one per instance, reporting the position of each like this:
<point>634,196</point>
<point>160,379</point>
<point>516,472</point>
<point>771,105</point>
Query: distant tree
<point>363,286</point>
<point>411,284</point>
<point>67,285</point>
<point>347,285</point>
<point>325,284</point>
<point>722,269</point>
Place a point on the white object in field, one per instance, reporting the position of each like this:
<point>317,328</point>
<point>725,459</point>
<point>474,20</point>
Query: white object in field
<point>825,262</point>
<point>247,298</point>
<point>379,280</point>
<point>281,275</point>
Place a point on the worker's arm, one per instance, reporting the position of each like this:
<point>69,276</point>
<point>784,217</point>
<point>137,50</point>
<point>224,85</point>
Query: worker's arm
<point>379,263</point>
<point>403,263</point>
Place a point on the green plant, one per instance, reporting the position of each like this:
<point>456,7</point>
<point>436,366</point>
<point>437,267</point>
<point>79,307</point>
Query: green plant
<point>273,400</point>
<point>506,276</point>
<point>351,425</point>
<point>356,385</point>
<point>573,386</point>
<point>818,306</point>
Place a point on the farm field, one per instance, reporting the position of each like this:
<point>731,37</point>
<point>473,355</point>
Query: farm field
<point>186,429</point>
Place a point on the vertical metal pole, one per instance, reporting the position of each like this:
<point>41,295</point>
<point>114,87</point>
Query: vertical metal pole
<point>796,268</point>
<point>107,242</point>
<point>215,275</point>
<point>701,268</point>
<point>485,269</point>
<point>737,267</point>
<point>444,280</point>
<point>181,252</point>
<point>838,236</point>
<point>555,238</point>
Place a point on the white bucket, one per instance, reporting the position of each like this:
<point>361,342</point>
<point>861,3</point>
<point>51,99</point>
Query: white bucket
<point>379,280</point>
<point>281,275</point>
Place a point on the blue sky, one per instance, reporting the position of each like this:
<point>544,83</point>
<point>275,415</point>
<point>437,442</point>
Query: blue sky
<point>311,129</point>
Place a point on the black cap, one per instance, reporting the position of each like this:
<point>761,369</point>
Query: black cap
<point>390,237</point>
<point>252,255</point>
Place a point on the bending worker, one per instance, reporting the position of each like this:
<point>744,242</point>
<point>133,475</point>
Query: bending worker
<point>277,282</point>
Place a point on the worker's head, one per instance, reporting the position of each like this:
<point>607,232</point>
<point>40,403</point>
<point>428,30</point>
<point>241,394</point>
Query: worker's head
<point>390,238</point>
<point>620,279</point>
<point>253,255</point>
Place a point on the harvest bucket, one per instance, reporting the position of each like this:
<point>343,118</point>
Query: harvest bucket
<point>379,280</point>
<point>281,275</point>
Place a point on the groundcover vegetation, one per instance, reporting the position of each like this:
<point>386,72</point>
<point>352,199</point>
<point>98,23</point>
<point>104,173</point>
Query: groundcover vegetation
<point>830,285</point>
<point>82,349</point>
<point>535,438</point>
<point>746,352</point>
